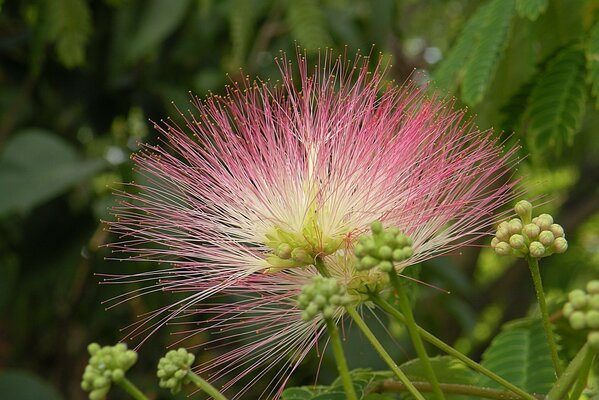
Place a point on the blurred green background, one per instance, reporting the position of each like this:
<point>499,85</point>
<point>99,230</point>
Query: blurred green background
<point>80,79</point>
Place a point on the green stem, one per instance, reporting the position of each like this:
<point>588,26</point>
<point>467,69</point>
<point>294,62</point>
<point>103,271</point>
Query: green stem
<point>583,375</point>
<point>559,391</point>
<point>533,264</point>
<point>406,308</point>
<point>205,386</point>
<point>130,388</point>
<point>450,388</point>
<point>450,350</point>
<point>381,350</point>
<point>321,267</point>
<point>350,392</point>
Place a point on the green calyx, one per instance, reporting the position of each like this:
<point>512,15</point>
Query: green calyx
<point>322,296</point>
<point>382,248</point>
<point>291,250</point>
<point>173,369</point>
<point>529,237</point>
<point>106,365</point>
<point>582,311</point>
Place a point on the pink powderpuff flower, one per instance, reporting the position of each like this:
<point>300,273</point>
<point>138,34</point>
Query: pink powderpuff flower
<point>241,199</point>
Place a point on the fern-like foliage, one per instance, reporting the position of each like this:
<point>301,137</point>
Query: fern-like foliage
<point>592,53</point>
<point>531,9</point>
<point>69,28</point>
<point>557,102</point>
<point>307,24</point>
<point>491,42</point>
<point>521,355</point>
<point>241,24</point>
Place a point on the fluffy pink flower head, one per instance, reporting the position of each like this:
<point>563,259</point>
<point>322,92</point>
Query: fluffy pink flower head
<point>257,184</point>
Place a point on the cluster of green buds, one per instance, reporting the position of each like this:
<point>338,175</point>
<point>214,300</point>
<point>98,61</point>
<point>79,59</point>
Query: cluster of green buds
<point>382,248</point>
<point>106,365</point>
<point>323,295</point>
<point>582,310</point>
<point>173,369</point>
<point>526,236</point>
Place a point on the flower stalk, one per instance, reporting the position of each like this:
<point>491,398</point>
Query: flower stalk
<point>340,359</point>
<point>563,384</point>
<point>205,386</point>
<point>131,389</point>
<point>533,264</point>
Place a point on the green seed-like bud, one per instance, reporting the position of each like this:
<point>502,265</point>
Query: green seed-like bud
<point>557,230</point>
<point>594,302</point>
<point>515,226</point>
<point>577,320</point>
<point>531,231</point>
<point>544,221</point>
<point>503,249</point>
<point>385,253</point>
<point>503,232</point>
<point>385,266</point>
<point>592,319</point>
<point>173,369</point>
<point>578,299</point>
<point>593,339</point>
<point>323,295</point>
<point>547,238</point>
<point>284,251</point>
<point>494,241</point>
<point>106,365</point>
<point>568,309</point>
<point>385,246</point>
<point>560,245</point>
<point>536,249</point>
<point>524,210</point>
<point>517,242</point>
<point>593,287</point>
<point>376,227</point>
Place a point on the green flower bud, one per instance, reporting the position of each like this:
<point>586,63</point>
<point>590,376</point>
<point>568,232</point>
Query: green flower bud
<point>531,231</point>
<point>546,238</point>
<point>514,226</point>
<point>503,232</point>
<point>557,230</point>
<point>385,266</point>
<point>577,320</point>
<point>376,227</point>
<point>578,299</point>
<point>560,245</point>
<point>524,210</point>
<point>594,301</point>
<point>173,369</point>
<point>382,248</point>
<point>544,221</point>
<point>592,319</point>
<point>517,242</point>
<point>385,253</point>
<point>106,365</point>
<point>593,287</point>
<point>495,241</point>
<point>323,295</point>
<point>568,309</point>
<point>284,251</point>
<point>503,249</point>
<point>593,339</point>
<point>536,249</point>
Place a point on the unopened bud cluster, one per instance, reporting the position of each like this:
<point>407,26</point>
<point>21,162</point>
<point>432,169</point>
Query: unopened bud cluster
<point>323,295</point>
<point>526,236</point>
<point>382,248</point>
<point>582,310</point>
<point>106,365</point>
<point>173,369</point>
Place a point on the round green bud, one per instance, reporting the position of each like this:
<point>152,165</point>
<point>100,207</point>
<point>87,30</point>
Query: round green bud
<point>517,241</point>
<point>390,239</point>
<point>557,230</point>
<point>300,255</point>
<point>323,295</point>
<point>544,221</point>
<point>524,210</point>
<point>93,348</point>
<point>560,245</point>
<point>593,339</point>
<point>386,253</point>
<point>536,249</point>
<point>359,250</point>
<point>385,266</point>
<point>376,227</point>
<point>547,238</point>
<point>568,309</point>
<point>494,241</point>
<point>515,226</point>
<point>284,251</point>
<point>577,320</point>
<point>503,249</point>
<point>531,231</point>
<point>118,375</point>
<point>368,262</point>
<point>503,232</point>
<point>593,287</point>
<point>592,319</point>
<point>594,301</point>
<point>578,299</point>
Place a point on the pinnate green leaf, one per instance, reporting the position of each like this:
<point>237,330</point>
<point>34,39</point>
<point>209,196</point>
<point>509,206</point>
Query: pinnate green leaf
<point>491,41</point>
<point>531,9</point>
<point>557,101</point>
<point>592,53</point>
<point>520,354</point>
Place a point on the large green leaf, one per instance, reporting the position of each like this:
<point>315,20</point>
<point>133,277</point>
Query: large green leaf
<point>15,385</point>
<point>592,53</point>
<point>491,41</point>
<point>158,20</point>
<point>36,166</point>
<point>531,9</point>
<point>69,27</point>
<point>557,101</point>
<point>520,354</point>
